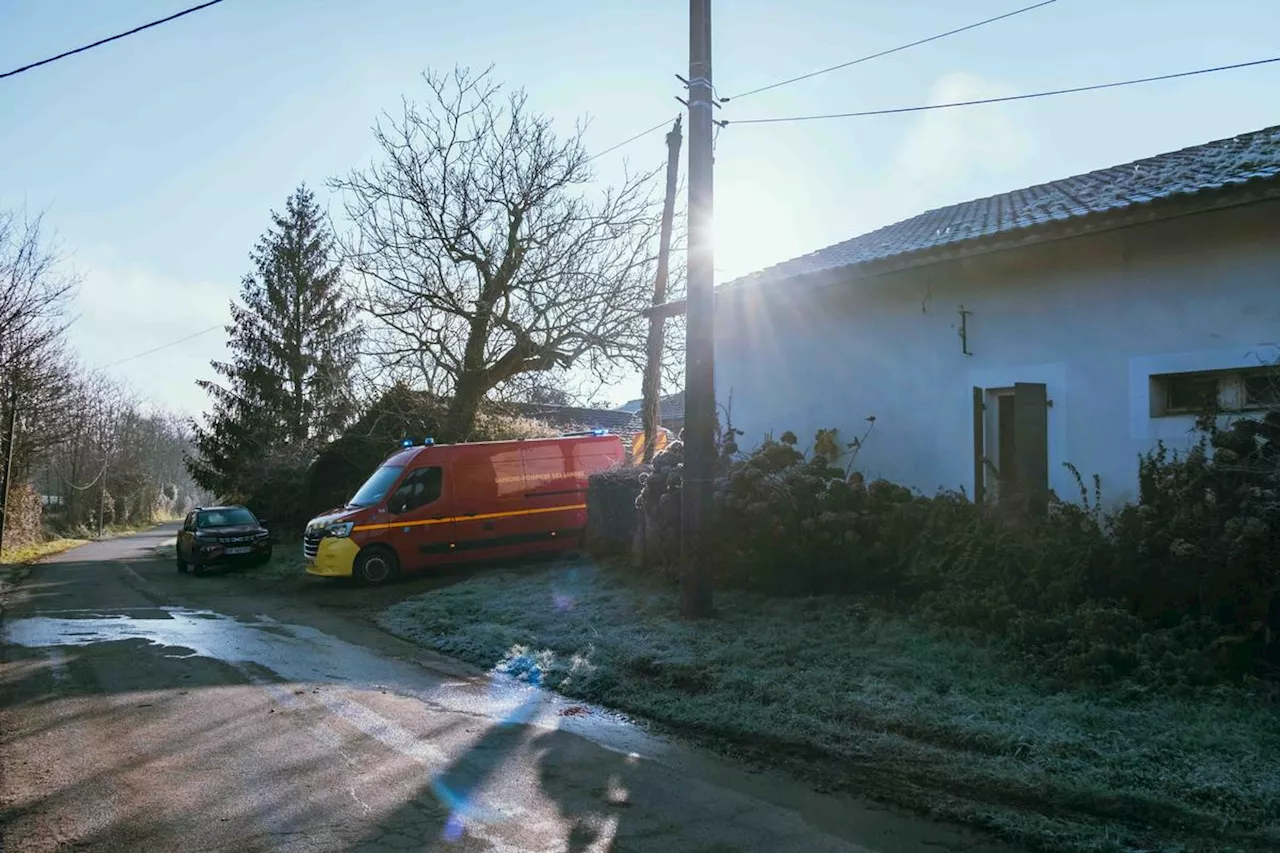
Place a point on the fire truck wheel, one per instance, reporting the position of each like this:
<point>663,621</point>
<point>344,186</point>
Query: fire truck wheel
<point>376,565</point>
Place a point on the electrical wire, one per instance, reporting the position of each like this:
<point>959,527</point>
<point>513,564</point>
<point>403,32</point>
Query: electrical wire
<point>924,107</point>
<point>161,347</point>
<point>101,42</point>
<point>897,49</point>
<point>642,134</point>
<point>67,481</point>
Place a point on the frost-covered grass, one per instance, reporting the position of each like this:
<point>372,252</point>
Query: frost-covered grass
<point>854,698</point>
<point>286,563</point>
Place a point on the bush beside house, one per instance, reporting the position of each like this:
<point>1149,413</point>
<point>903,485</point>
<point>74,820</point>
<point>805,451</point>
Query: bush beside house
<point>611,511</point>
<point>1178,590</point>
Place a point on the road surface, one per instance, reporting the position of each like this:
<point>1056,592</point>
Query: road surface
<point>145,710</point>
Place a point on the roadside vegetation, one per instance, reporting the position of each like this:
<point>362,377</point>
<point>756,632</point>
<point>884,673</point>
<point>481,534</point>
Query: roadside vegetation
<point>38,551</point>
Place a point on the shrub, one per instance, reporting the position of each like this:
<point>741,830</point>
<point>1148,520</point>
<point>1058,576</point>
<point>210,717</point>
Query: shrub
<point>1177,591</point>
<point>280,489</point>
<point>980,567</point>
<point>611,510</point>
<point>23,517</point>
<point>1202,538</point>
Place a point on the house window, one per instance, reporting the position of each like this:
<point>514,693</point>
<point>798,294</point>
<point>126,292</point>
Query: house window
<point>1242,390</point>
<point>1190,392</point>
<point>1262,390</point>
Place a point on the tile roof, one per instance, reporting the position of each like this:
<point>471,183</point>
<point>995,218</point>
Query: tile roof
<point>671,407</point>
<point>1249,157</point>
<point>571,418</point>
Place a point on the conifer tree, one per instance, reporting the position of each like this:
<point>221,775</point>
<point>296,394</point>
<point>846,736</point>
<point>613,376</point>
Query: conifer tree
<point>293,342</point>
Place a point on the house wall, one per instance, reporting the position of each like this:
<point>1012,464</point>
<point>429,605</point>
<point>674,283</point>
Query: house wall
<point>1091,317</point>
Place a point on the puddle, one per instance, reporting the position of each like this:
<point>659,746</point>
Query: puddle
<point>301,653</point>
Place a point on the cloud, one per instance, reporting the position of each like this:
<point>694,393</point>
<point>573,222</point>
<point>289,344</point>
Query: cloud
<point>946,153</point>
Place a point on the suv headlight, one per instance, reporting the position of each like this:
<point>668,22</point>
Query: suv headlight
<point>340,530</point>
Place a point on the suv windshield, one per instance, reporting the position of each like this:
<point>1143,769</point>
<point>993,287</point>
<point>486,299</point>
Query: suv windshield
<point>376,487</point>
<point>233,517</point>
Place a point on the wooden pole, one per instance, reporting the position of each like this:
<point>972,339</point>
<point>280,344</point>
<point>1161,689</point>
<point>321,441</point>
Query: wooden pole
<point>700,391</point>
<point>10,436</point>
<point>652,391</point>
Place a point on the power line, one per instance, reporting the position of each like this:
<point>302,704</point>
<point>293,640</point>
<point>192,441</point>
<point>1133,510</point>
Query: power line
<point>67,481</point>
<point>161,347</point>
<point>924,107</point>
<point>639,135</point>
<point>902,47</point>
<point>101,42</point>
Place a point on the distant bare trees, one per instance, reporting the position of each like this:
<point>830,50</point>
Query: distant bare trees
<point>114,458</point>
<point>72,426</point>
<point>486,256</point>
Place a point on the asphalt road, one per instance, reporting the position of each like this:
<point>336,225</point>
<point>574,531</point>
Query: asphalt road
<point>144,710</point>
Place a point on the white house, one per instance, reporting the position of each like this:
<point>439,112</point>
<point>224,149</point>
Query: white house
<point>1077,322</point>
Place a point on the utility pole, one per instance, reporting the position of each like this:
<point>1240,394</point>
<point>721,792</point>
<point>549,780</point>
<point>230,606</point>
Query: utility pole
<point>10,434</point>
<point>653,365</point>
<point>700,403</point>
<point>102,487</point>
<point>102,496</point>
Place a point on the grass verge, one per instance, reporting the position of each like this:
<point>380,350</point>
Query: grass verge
<point>286,564</point>
<point>38,551</point>
<point>861,700</point>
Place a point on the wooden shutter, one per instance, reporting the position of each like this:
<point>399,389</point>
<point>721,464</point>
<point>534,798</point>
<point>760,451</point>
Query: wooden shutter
<point>979,446</point>
<point>1031,443</point>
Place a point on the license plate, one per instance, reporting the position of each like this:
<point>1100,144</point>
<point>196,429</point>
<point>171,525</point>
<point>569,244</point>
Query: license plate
<point>239,550</point>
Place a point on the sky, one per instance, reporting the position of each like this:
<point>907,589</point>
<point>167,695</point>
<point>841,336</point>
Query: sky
<point>156,159</point>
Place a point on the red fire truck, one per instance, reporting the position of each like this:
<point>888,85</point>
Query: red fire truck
<point>430,504</point>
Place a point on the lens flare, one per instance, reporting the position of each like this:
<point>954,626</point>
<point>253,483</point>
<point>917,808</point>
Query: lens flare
<point>515,683</point>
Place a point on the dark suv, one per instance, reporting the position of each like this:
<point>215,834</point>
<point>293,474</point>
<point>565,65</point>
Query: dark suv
<point>228,535</point>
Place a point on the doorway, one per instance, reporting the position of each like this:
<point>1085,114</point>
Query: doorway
<point>1011,444</point>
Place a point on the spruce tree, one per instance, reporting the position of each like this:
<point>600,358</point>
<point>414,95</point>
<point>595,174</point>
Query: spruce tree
<point>293,342</point>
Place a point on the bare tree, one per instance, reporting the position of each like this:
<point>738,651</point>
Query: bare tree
<point>34,293</point>
<point>33,299</point>
<point>484,254</point>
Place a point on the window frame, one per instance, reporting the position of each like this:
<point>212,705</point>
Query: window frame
<point>1273,377</point>
<point>414,472</point>
<point>199,514</point>
<point>1232,395</point>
